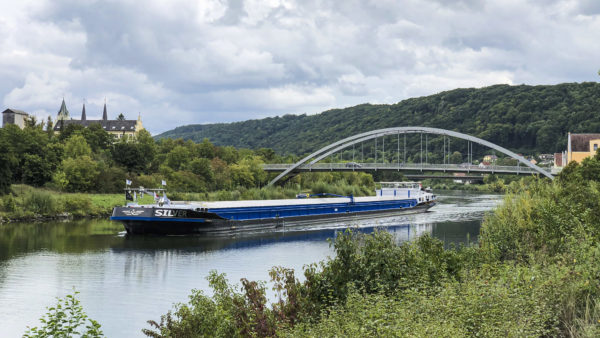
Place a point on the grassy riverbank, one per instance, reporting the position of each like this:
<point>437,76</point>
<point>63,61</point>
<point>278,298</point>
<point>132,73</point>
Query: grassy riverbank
<point>28,203</point>
<point>535,272</point>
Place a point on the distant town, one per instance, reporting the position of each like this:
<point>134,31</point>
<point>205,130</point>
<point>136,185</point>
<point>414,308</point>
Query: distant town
<point>118,127</point>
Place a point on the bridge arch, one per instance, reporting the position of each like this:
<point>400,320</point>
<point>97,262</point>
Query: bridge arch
<point>349,141</point>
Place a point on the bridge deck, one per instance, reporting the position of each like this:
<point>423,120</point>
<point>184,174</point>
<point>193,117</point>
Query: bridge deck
<point>403,167</point>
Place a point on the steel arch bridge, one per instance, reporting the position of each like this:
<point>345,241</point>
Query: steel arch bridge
<point>358,138</point>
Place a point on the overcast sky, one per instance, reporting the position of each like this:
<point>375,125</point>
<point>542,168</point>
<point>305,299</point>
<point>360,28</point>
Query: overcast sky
<point>183,62</point>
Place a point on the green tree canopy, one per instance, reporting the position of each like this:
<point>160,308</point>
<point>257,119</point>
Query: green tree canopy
<point>80,173</point>
<point>179,157</point>
<point>77,146</point>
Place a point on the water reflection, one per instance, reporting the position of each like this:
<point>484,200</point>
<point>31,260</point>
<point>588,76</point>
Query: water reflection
<point>98,235</point>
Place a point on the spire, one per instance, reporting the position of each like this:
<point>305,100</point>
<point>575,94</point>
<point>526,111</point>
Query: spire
<point>104,114</point>
<point>83,117</point>
<point>63,113</point>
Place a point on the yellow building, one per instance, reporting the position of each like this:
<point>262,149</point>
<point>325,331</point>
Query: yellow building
<point>580,146</point>
<point>118,128</point>
<point>490,158</point>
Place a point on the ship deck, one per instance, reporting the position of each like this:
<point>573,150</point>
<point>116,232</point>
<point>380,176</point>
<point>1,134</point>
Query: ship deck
<point>282,202</point>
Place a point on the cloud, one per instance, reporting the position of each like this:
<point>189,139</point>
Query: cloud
<point>180,62</point>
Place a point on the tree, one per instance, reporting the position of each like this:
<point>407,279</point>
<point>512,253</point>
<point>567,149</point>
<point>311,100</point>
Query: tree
<point>31,122</point>
<point>36,170</point>
<point>50,127</point>
<point>254,164</point>
<point>242,176</point>
<point>201,167</point>
<point>187,181</point>
<point>455,158</point>
<point>121,117</point>
<point>110,179</point>
<point>70,129</point>
<point>179,157</point>
<point>147,148</point>
<point>267,154</point>
<point>76,146</point>
<point>206,149</point>
<point>222,174</point>
<point>128,155</point>
<point>7,160</point>
<point>80,173</point>
<point>96,137</point>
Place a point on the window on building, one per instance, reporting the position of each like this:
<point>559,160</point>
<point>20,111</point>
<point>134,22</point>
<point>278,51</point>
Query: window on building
<point>595,147</point>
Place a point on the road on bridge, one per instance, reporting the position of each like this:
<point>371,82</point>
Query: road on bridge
<point>420,167</point>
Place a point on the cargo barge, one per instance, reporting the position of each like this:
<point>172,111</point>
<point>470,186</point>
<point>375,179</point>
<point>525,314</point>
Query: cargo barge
<point>181,218</point>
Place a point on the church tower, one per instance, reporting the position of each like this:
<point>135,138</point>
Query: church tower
<point>83,117</point>
<point>63,113</point>
<point>104,114</point>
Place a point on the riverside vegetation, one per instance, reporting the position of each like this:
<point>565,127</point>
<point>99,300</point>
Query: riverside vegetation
<point>82,172</point>
<point>534,272</point>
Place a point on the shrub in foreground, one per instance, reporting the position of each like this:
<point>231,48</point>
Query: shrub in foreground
<point>66,319</point>
<point>372,264</point>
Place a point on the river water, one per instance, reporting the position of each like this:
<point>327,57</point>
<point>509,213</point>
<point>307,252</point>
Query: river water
<point>124,281</point>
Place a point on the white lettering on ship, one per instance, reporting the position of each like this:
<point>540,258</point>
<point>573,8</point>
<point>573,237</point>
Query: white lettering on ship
<point>170,213</point>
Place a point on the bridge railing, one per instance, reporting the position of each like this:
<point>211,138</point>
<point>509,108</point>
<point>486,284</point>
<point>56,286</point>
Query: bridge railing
<point>401,166</point>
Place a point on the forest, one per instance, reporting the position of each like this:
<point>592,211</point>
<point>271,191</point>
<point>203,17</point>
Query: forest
<point>525,119</point>
<point>90,160</point>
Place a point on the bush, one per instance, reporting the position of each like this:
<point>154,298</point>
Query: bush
<point>80,173</point>
<point>511,302</point>
<point>373,264</point>
<point>40,202</point>
<point>78,204</point>
<point>110,180</point>
<point>66,319</point>
<point>8,203</point>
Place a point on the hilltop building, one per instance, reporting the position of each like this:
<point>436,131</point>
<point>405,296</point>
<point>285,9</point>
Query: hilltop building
<point>14,116</point>
<point>118,128</point>
<point>580,146</point>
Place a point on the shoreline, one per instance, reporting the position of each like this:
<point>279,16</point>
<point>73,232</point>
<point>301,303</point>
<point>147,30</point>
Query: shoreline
<point>41,218</point>
<point>96,210</point>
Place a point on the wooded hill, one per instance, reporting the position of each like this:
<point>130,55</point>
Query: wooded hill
<point>527,119</point>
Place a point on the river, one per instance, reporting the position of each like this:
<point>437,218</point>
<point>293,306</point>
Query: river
<point>124,281</point>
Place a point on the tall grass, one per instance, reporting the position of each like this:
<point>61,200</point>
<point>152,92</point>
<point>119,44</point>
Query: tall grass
<point>25,202</point>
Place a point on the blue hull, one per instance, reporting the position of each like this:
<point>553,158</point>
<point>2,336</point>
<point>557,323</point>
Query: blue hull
<point>182,219</point>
